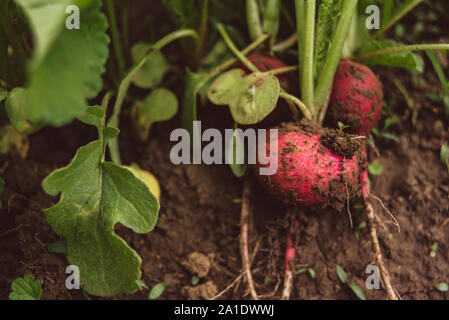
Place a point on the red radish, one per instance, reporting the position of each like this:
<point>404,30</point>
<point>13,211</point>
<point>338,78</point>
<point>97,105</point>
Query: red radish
<point>267,63</point>
<point>356,98</point>
<point>316,166</point>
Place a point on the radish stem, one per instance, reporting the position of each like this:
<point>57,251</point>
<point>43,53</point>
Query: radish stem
<point>405,48</point>
<point>286,44</point>
<point>271,18</point>
<point>253,19</point>
<point>234,49</point>
<point>115,37</point>
<point>306,72</point>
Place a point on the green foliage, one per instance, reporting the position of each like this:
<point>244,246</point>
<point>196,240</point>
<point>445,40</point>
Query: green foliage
<point>443,287</point>
<point>126,81</point>
<point>342,126</point>
<point>184,10</point>
<point>357,291</point>
<point>382,133</point>
<point>153,70</point>
<point>359,228</point>
<point>95,195</point>
<point>237,169</point>
<point>250,98</point>
<point>26,288</point>
<point>327,18</point>
<point>406,59</point>
<point>157,290</point>
<point>375,168</point>
<point>67,65</point>
<point>3,94</point>
<point>57,247</point>
<point>160,105</point>
<point>341,274</point>
<point>16,110</point>
<point>195,280</point>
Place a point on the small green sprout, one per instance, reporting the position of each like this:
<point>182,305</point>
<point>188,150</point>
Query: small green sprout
<point>157,290</point>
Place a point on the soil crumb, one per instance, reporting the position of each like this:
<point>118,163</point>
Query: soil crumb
<point>202,291</point>
<point>197,263</point>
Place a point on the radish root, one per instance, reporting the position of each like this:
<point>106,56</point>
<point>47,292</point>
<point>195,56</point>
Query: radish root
<point>244,217</point>
<point>374,240</point>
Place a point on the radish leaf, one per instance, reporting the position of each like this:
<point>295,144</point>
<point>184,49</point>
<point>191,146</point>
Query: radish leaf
<point>67,65</point>
<point>250,98</point>
<point>26,288</point>
<point>95,195</point>
<point>15,108</point>
<point>160,105</point>
<point>407,60</point>
<point>152,71</point>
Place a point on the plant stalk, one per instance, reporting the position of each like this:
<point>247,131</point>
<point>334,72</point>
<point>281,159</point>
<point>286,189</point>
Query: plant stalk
<point>405,48</point>
<point>253,19</point>
<point>115,36</point>
<point>271,19</point>
<point>306,72</point>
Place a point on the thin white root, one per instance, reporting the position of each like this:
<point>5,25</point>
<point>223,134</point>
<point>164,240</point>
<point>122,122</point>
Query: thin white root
<point>376,246</point>
<point>244,239</point>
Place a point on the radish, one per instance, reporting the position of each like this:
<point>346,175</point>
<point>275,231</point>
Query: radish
<point>267,63</point>
<point>356,98</point>
<point>316,166</point>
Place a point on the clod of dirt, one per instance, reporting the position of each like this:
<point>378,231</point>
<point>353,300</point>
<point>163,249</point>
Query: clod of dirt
<point>197,263</point>
<point>202,291</point>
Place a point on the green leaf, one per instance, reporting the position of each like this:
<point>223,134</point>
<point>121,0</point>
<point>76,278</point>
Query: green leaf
<point>152,71</point>
<point>438,69</point>
<point>375,168</point>
<point>3,94</point>
<point>160,105</point>
<point>57,247</point>
<point>443,287</point>
<point>16,110</point>
<point>327,18</point>
<point>185,10</point>
<point>406,60</point>
<point>341,274</point>
<point>301,270</point>
<point>250,98</point>
<point>67,65</point>
<point>195,280</point>
<point>95,195</point>
<point>390,121</point>
<point>26,288</point>
<point>357,291</point>
<point>157,290</point>
<point>311,273</point>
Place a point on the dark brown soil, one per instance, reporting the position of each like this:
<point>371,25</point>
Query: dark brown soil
<point>200,214</point>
